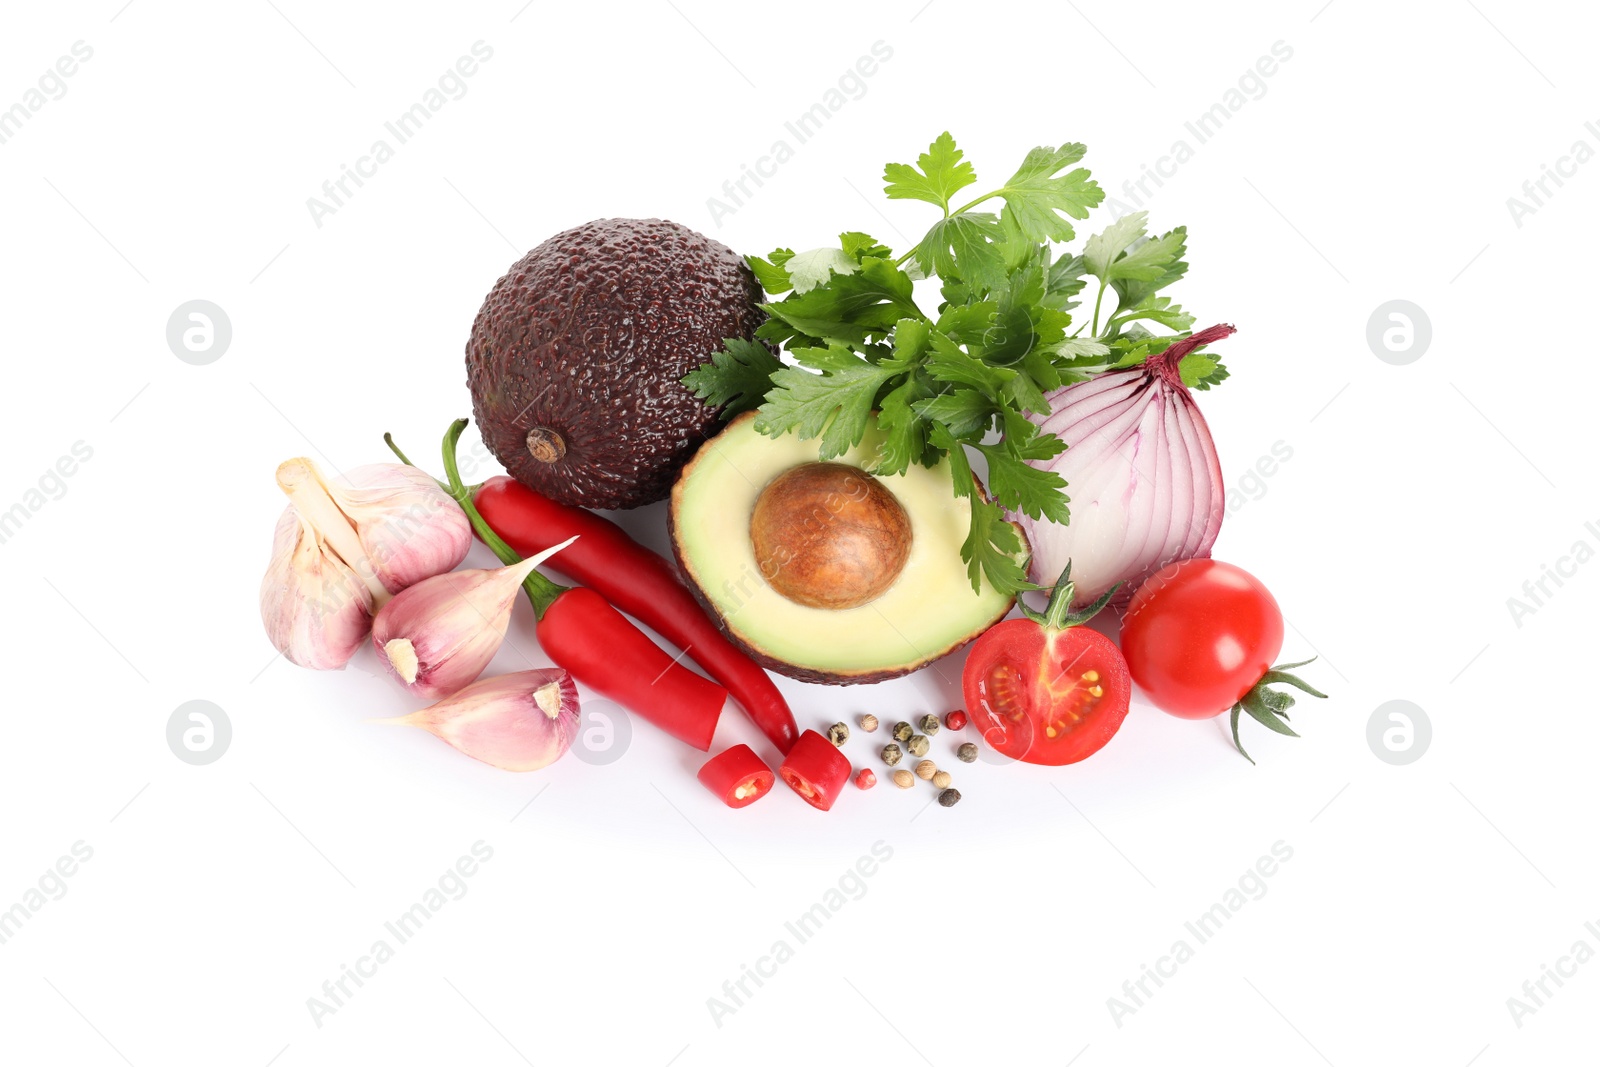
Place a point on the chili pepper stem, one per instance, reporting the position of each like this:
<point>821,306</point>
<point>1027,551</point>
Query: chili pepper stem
<point>542,592</point>
<point>388,439</point>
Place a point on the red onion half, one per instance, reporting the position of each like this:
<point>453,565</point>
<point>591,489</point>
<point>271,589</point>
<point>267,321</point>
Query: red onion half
<point>1141,471</point>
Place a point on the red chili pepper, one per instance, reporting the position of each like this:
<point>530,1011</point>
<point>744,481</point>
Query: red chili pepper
<point>816,770</point>
<point>641,583</point>
<point>581,631</point>
<point>737,776</point>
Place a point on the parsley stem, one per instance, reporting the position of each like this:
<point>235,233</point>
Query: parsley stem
<point>947,213</point>
<point>1094,330</point>
<point>972,204</point>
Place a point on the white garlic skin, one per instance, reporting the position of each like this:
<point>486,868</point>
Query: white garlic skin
<point>517,722</point>
<point>438,635</point>
<point>317,611</point>
<point>409,528</point>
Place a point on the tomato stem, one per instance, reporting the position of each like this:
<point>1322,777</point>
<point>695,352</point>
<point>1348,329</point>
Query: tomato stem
<point>1057,614</point>
<point>1270,707</point>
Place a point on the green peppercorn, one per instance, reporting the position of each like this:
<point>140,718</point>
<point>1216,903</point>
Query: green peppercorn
<point>929,724</point>
<point>918,745</point>
<point>838,733</point>
<point>967,752</point>
<point>949,798</point>
<point>903,732</point>
<point>891,754</point>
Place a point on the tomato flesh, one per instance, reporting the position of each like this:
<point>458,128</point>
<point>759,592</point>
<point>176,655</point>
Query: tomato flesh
<point>1199,634</point>
<point>1044,696</point>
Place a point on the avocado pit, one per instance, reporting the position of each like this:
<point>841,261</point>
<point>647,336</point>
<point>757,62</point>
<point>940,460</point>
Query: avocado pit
<point>829,535</point>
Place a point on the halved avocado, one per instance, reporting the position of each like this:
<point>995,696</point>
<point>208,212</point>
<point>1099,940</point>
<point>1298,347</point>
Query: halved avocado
<point>822,571</point>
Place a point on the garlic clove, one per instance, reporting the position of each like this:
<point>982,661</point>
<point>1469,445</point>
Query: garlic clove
<point>317,611</point>
<point>441,633</point>
<point>309,494</point>
<point>408,527</point>
<point>517,722</point>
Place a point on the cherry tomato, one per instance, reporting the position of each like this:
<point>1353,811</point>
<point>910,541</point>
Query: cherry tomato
<point>1199,635</point>
<point>1041,689</point>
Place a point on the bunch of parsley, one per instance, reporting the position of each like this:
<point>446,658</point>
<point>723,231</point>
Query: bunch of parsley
<point>938,385</point>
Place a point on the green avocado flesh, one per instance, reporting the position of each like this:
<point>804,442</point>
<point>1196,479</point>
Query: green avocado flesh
<point>927,612</point>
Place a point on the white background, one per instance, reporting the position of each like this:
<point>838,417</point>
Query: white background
<point>1376,166</point>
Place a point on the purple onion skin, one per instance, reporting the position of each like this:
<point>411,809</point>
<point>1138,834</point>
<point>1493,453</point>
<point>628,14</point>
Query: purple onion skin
<point>1142,473</point>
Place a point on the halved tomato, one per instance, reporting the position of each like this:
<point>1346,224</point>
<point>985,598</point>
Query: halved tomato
<point>1042,689</point>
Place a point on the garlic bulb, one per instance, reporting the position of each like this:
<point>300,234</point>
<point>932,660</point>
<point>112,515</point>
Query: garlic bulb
<point>342,549</point>
<point>409,528</point>
<point>316,609</point>
<point>403,527</point>
<point>517,722</point>
<point>441,633</point>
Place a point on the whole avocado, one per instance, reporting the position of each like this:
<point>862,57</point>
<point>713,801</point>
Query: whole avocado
<point>576,355</point>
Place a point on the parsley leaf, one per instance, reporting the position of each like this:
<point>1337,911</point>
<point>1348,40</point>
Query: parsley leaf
<point>963,247</point>
<point>1063,281</point>
<point>807,270</point>
<point>1154,308</point>
<point>939,174</point>
<point>859,246</point>
<point>993,548</point>
<point>905,428</point>
<point>965,411</point>
<point>1200,370</point>
<point>833,404</point>
<point>771,272</point>
<point>1037,195</point>
<point>737,378</point>
<point>850,308</point>
<point>1019,487</point>
<point>1102,250</point>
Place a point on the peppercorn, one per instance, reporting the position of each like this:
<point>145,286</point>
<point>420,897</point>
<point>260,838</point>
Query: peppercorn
<point>918,745</point>
<point>948,798</point>
<point>941,780</point>
<point>956,720</point>
<point>869,723</point>
<point>891,754</point>
<point>866,779</point>
<point>967,752</point>
<point>926,769</point>
<point>929,723</point>
<point>838,733</point>
<point>904,779</point>
<point>903,732</point>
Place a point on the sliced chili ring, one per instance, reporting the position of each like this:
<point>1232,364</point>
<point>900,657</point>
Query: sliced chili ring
<point>737,776</point>
<point>816,769</point>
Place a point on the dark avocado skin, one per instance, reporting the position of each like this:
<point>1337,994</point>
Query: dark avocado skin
<point>588,336</point>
